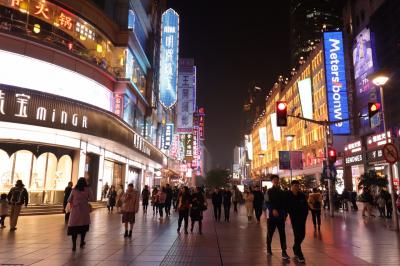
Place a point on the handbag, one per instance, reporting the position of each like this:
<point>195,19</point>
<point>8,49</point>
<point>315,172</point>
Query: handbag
<point>90,207</point>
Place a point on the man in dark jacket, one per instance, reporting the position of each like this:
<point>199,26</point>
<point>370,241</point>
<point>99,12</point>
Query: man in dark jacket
<point>258,202</point>
<point>227,199</point>
<point>277,215</point>
<point>216,199</point>
<point>168,199</point>
<point>298,210</point>
<point>67,192</point>
<point>17,197</point>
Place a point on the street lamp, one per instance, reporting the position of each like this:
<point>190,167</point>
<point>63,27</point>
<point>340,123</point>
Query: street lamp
<point>379,79</point>
<point>289,139</point>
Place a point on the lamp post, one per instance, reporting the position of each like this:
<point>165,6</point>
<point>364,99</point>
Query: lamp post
<point>289,139</point>
<point>380,79</point>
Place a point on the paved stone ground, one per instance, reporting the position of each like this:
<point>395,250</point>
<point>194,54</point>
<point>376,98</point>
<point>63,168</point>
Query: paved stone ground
<point>348,239</point>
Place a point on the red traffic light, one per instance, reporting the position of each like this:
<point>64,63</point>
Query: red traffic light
<point>281,106</point>
<point>374,107</point>
<point>281,114</point>
<point>332,156</point>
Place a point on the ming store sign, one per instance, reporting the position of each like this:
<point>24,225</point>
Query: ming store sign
<point>24,106</point>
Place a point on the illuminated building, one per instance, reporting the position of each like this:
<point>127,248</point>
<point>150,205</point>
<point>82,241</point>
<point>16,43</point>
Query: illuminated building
<point>306,96</point>
<point>77,96</point>
<point>308,19</point>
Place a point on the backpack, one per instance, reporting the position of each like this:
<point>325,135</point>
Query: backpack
<point>16,196</point>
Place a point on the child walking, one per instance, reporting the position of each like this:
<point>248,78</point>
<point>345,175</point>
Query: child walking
<point>3,209</point>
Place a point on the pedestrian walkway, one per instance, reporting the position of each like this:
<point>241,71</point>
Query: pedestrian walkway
<point>345,240</point>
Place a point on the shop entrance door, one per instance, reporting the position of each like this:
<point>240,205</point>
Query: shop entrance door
<point>92,171</point>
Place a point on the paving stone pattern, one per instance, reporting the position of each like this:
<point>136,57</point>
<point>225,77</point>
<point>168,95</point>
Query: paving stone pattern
<point>348,239</point>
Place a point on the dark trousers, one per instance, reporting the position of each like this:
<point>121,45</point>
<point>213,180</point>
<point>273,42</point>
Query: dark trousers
<point>160,209</point>
<point>75,237</point>
<point>381,211</point>
<point>168,208</point>
<point>175,203</point>
<point>235,204</point>
<point>274,223</point>
<point>316,217</point>
<point>200,226</point>
<point>227,210</point>
<point>217,212</point>
<point>299,232</point>
<point>183,215</point>
<point>389,210</point>
<point>145,205</point>
<point>2,219</point>
<point>258,211</point>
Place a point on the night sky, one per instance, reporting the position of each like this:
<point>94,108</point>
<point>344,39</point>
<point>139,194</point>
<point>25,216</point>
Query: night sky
<point>233,45</point>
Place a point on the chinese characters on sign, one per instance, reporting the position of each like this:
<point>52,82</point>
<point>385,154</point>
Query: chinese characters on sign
<point>169,54</point>
<point>169,131</point>
<point>189,147</point>
<point>186,95</point>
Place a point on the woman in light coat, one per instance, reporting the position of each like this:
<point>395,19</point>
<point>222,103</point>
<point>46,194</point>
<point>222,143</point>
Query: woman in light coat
<point>249,203</point>
<point>130,206</point>
<point>79,219</point>
<point>118,202</point>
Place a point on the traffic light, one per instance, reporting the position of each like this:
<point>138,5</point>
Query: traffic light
<point>332,156</point>
<point>373,109</point>
<point>281,114</point>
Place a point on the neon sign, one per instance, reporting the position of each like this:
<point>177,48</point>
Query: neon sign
<point>169,54</point>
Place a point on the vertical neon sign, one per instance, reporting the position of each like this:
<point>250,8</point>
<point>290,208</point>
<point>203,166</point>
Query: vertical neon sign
<point>169,54</point>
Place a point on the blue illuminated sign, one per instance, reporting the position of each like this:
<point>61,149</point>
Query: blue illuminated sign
<point>336,86</point>
<point>169,54</point>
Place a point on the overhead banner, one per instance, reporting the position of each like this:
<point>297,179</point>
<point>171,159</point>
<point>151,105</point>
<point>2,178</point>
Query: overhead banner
<point>306,97</point>
<point>169,54</point>
<point>186,106</point>
<point>336,85</point>
<point>276,131</point>
<point>263,138</point>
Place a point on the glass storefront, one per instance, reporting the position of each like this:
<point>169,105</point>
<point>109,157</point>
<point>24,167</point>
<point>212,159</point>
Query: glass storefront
<point>45,176</point>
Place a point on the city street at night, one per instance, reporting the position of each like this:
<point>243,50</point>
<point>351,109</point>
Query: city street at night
<point>345,240</point>
<point>273,127</point>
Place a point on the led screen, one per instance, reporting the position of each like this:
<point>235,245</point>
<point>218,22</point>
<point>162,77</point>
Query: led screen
<point>306,99</point>
<point>30,73</point>
<point>336,82</point>
<point>263,138</point>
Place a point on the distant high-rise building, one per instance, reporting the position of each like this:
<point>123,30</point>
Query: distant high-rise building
<point>308,19</point>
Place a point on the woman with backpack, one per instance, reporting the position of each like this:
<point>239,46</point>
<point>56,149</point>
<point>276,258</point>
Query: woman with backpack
<point>154,201</point>
<point>79,219</point>
<point>161,198</point>
<point>315,205</point>
<point>17,197</point>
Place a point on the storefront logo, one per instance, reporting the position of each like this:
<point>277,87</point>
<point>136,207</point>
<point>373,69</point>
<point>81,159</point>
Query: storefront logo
<point>22,106</point>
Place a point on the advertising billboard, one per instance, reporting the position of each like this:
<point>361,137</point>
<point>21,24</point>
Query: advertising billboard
<point>30,73</point>
<point>169,54</point>
<point>366,91</point>
<point>263,138</point>
<point>186,106</point>
<point>336,85</point>
<point>306,97</point>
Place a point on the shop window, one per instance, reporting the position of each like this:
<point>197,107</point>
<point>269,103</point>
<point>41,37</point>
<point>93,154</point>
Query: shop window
<point>5,172</point>
<point>39,173</point>
<point>51,172</point>
<point>64,172</point>
<point>23,165</point>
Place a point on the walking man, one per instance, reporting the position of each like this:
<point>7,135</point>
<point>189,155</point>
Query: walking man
<point>217,202</point>
<point>227,198</point>
<point>258,202</point>
<point>168,200</point>
<point>298,211</point>
<point>17,197</point>
<point>277,215</point>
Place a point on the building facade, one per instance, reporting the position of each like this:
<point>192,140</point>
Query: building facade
<point>307,96</point>
<point>77,95</point>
